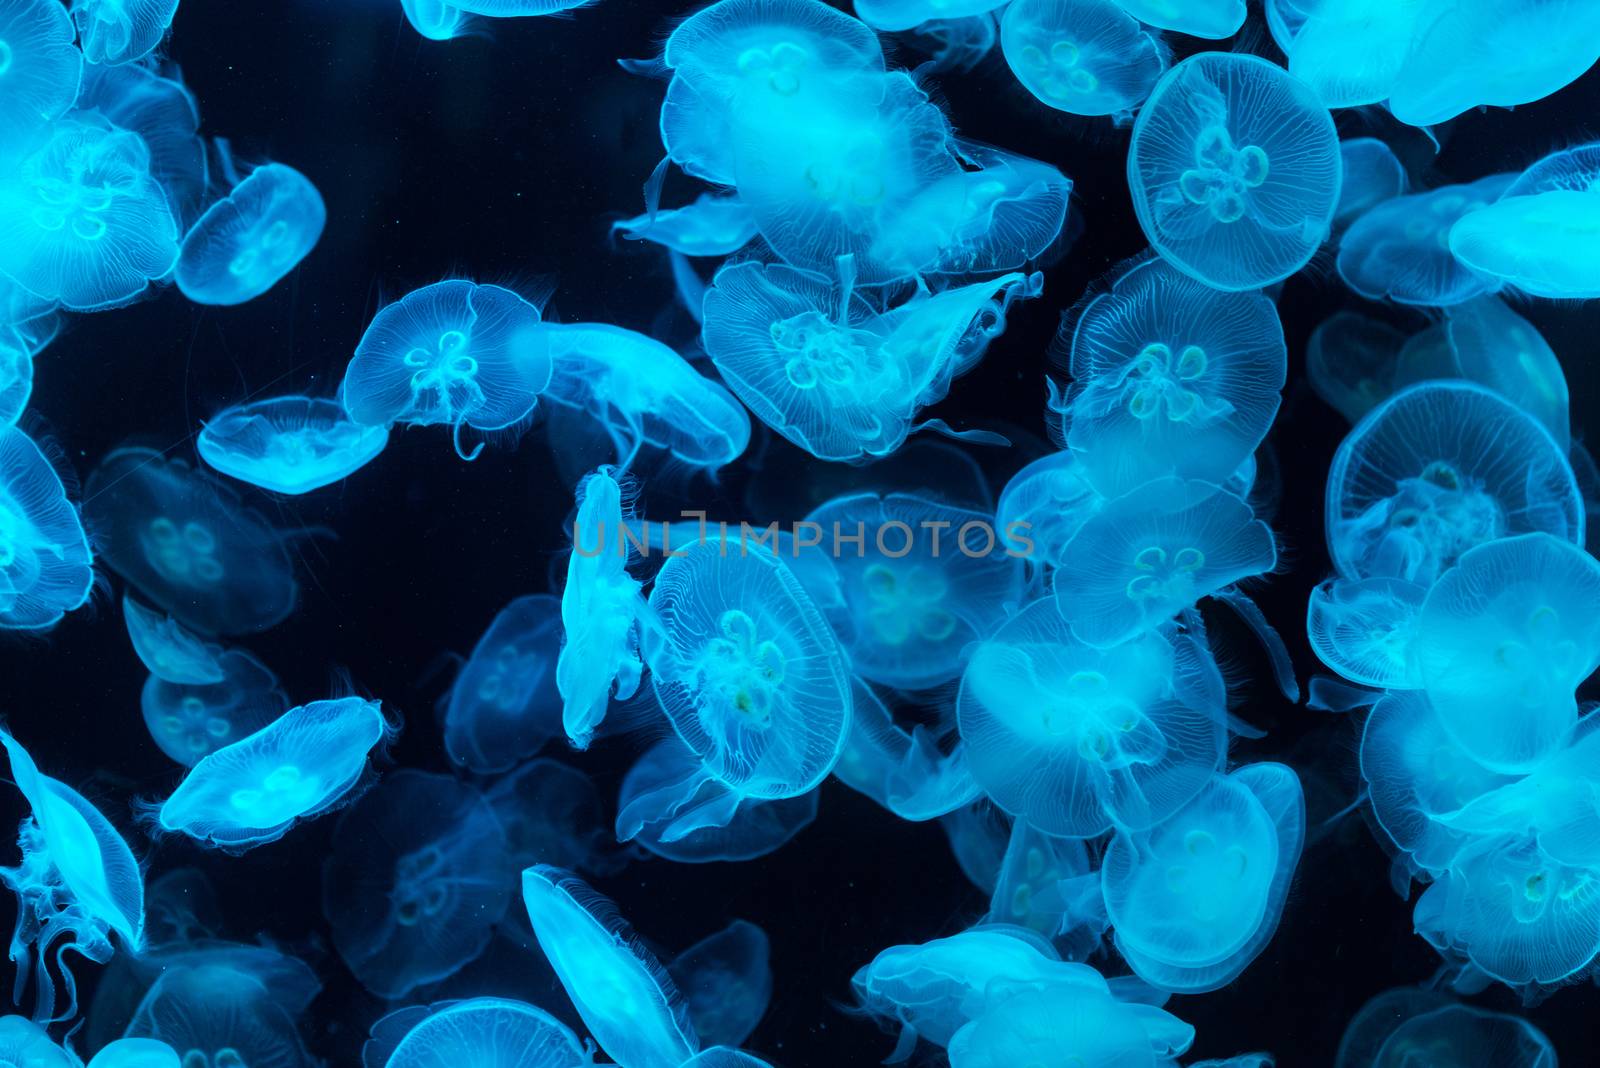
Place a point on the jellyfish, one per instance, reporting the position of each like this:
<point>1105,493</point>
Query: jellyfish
<point>1351,52</point>
<point>956,45</point>
<point>726,981</point>
<point>1400,249</point>
<point>1049,885</point>
<point>40,67</point>
<point>1087,57</point>
<point>172,653</point>
<point>135,1053</point>
<point>1213,19</point>
<point>1495,347</point>
<point>1172,378</point>
<point>113,32</point>
<point>82,222</point>
<point>551,815</point>
<point>453,353</point>
<point>16,373</point>
<point>504,705</point>
<point>1366,630</point>
<point>434,19</point>
<point>23,1042</point>
<point>246,242</point>
<point>510,9</point>
<point>1466,1037</point>
<point>163,113</point>
<point>894,16</point>
<point>907,772</point>
<point>1436,469</point>
<point>1352,362</point>
<point>190,721</point>
<point>1044,504</point>
<point>723,1057</point>
<point>418,877</point>
<point>216,1014</point>
<point>1543,244</point>
<point>1372,176</point>
<point>482,1032</point>
<point>45,563</point>
<point>979,835</point>
<point>625,997</point>
<point>1235,170</point>
<point>1074,739</point>
<point>299,766</point>
<point>1379,1018</point>
<point>289,445</point>
<point>1197,898</point>
<point>77,884</point>
<point>712,225</point>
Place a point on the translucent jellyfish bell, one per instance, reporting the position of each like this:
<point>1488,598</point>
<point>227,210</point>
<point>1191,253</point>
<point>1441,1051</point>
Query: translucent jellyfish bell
<point>726,980</point>
<point>1088,57</point>
<point>172,653</point>
<point>1235,170</point>
<point>893,16</point>
<point>1352,361</point>
<point>1351,52</point>
<point>1214,19</point>
<point>434,19</point>
<point>40,67</point>
<point>1496,347</point>
<point>1400,249</point>
<point>221,1015</point>
<point>907,772</point>
<point>24,1042</point>
<point>1468,1037</point>
<point>1542,244</point>
<point>135,1053</point>
<point>1366,630</point>
<point>121,31</point>
<point>249,240</point>
<point>1044,504</point>
<point>712,225</point>
<point>191,721</point>
<point>289,445</point>
<point>482,1032</point>
<point>551,815</point>
<point>16,373</point>
<point>1372,175</point>
<point>504,705</point>
<point>45,563</point>
<point>163,112</point>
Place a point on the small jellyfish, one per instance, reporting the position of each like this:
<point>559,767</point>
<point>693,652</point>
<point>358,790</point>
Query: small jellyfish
<point>77,884</point>
<point>45,563</point>
<point>1086,57</point>
<point>907,772</point>
<point>1495,347</point>
<point>1235,170</point>
<point>1544,244</point>
<point>551,815</point>
<point>894,16</point>
<point>1372,176</point>
<point>220,1015</point>
<point>1196,899</point>
<point>246,242</point>
<point>504,705</point>
<point>172,653</point>
<point>1352,362</point>
<point>1213,19</point>
<point>416,881</point>
<point>1043,505</point>
<point>1366,629</point>
<point>1050,885</point>
<point>481,1032</point>
<point>40,67</point>
<point>296,768</point>
<point>120,31</point>
<point>711,226</point>
<point>626,998</point>
<point>189,721</point>
<point>726,981</point>
<point>434,19</point>
<point>289,445</point>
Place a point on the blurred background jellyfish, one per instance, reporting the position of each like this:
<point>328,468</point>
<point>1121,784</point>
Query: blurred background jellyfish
<point>1235,171</point>
<point>295,768</point>
<point>1399,250</point>
<point>45,564</point>
<point>907,772</point>
<point>289,445</point>
<point>551,814</point>
<point>1543,245</point>
<point>1352,362</point>
<point>482,1032</point>
<point>24,1042</point>
<point>726,981</point>
<point>152,102</point>
<point>1049,885</point>
<point>1373,175</point>
<point>218,1014</point>
<point>1495,347</point>
<point>121,31</point>
<point>416,881</point>
<point>1366,629</point>
<point>246,242</point>
<point>78,883</point>
<point>43,67</point>
<point>504,706</point>
<point>1087,57</point>
<point>1043,505</point>
<point>172,653</point>
<point>190,721</point>
<point>1461,1035</point>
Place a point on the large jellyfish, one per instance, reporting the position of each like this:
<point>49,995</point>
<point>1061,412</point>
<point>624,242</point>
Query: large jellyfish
<point>246,242</point>
<point>504,705</point>
<point>726,981</point>
<point>1074,739</point>
<point>121,31</point>
<point>1235,170</point>
<point>416,881</point>
<point>1365,629</point>
<point>481,1032</point>
<point>217,1014</point>
<point>1087,57</point>
<point>297,767</point>
<point>172,653</point>
<point>45,563</point>
<point>1372,175</point>
<point>77,885</point>
<point>1351,51</point>
<point>1543,244</point>
<point>189,721</point>
<point>289,445</point>
<point>40,67</point>
<point>1352,362</point>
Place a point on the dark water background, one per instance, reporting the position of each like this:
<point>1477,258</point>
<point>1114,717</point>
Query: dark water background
<point>503,158</point>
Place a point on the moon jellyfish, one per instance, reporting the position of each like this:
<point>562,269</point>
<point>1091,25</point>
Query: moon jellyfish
<point>1436,469</point>
<point>45,563</point>
<point>1543,244</point>
<point>16,373</point>
<point>1235,171</point>
<point>220,1015</point>
<point>723,1057</point>
<point>135,1053</point>
<point>893,16</point>
<point>726,981</point>
<point>504,705</point>
<point>296,768</point>
<point>289,445</point>
<point>1087,57</point>
<point>1049,885</point>
<point>711,226</point>
<point>434,19</point>
<point>40,67</point>
<point>1352,362</point>
<point>189,721</point>
<point>1366,629</point>
<point>23,1042</point>
<point>626,998</point>
<point>1197,898</point>
<point>1468,1037</point>
<point>416,881</point>
<point>1044,504</point>
<point>77,885</point>
<point>482,1032</point>
<point>246,242</point>
<point>551,815</point>
<point>1379,1018</point>
<point>511,9</point>
<point>1213,19</point>
<point>907,772</point>
<point>172,653</point>
<point>1074,739</point>
<point>121,31</point>
<point>1372,176</point>
<point>1400,250</point>
<point>1495,347</point>
<point>162,111</point>
<point>1351,51</point>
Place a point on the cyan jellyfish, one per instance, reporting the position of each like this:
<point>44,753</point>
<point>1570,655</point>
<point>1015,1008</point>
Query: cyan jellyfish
<point>1543,245</point>
<point>1366,629</point>
<point>45,563</point>
<point>1235,171</point>
<point>135,1053</point>
<point>1436,469</point>
<point>23,1042</point>
<point>1463,1036</point>
<point>551,815</point>
<point>40,67</point>
<point>1213,19</point>
<point>1050,885</point>
<point>246,242</point>
<point>1495,347</point>
<point>453,353</point>
<point>979,834</point>
<point>16,373</point>
<point>192,720</point>
<point>289,445</point>
<point>1372,175</point>
<point>482,1032</point>
<point>416,881</point>
<point>1379,1018</point>
<point>511,9</point>
<point>726,981</point>
<point>504,705</point>
<point>1088,57</point>
<point>723,1057</point>
<point>188,544</point>
<point>1073,739</point>
<point>893,16</point>
<point>1400,249</point>
<point>217,1014</point>
<point>296,768</point>
<point>1043,505</point>
<point>434,19</point>
<point>163,112</point>
<point>711,226</point>
<point>1351,51</point>
<point>626,998</point>
<point>1352,361</point>
<point>907,772</point>
<point>1197,898</point>
<point>121,31</point>
<point>1576,168</point>
<point>172,653</point>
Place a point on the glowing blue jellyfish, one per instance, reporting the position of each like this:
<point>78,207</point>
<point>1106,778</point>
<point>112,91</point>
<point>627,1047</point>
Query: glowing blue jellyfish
<point>482,1032</point>
<point>1073,739</point>
<point>893,16</point>
<point>1400,249</point>
<point>551,815</point>
<point>190,721</point>
<point>1352,51</point>
<point>1437,469</point>
<point>711,226</point>
<point>40,67</point>
<point>1542,244</point>
<point>504,705</point>
<point>1366,629</point>
<point>1379,1018</point>
<point>907,772</point>
<point>45,563</point>
<point>726,981</point>
<point>219,1013</point>
<point>453,353</point>
<point>135,1053</point>
<point>246,242</point>
<point>626,998</point>
<point>23,1042</point>
<point>16,373</point>
<point>1495,347</point>
<point>82,221</point>
<point>1043,505</point>
<point>121,31</point>
<point>1235,170</point>
<point>511,9</point>
<point>1372,175</point>
<point>1466,1036</point>
<point>1196,899</point>
<point>172,653</point>
<point>1214,19</point>
<point>416,881</point>
<point>164,114</point>
<point>186,542</point>
<point>289,445</point>
<point>434,19</point>
<point>1352,362</point>
<point>295,768</point>
<point>1049,885</point>
<point>1089,57</point>
<point>723,1057</point>
<point>1172,378</point>
<point>77,884</point>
